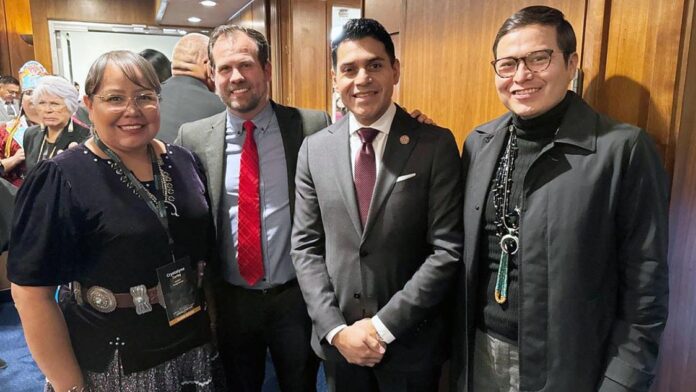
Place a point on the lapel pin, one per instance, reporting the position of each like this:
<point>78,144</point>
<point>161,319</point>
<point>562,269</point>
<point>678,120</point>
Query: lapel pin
<point>404,139</point>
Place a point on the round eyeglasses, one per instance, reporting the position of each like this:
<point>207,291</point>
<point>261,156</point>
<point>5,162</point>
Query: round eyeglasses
<point>536,61</point>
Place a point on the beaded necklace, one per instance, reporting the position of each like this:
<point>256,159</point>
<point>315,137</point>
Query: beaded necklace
<point>506,220</point>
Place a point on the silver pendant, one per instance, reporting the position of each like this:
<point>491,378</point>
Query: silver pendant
<point>510,244</point>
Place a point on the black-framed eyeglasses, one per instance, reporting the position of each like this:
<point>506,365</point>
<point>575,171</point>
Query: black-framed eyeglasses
<point>536,61</point>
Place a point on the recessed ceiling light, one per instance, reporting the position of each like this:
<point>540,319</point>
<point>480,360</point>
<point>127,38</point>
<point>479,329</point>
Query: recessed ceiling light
<point>194,19</point>
<point>208,3</point>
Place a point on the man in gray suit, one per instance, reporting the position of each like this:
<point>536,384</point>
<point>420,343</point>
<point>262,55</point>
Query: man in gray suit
<point>186,96</point>
<point>377,230</point>
<point>255,141</point>
<point>9,95</point>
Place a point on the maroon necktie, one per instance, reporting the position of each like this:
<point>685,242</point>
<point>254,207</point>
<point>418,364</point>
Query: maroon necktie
<point>365,171</point>
<point>249,254</point>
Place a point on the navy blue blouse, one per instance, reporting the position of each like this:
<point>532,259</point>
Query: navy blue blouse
<point>77,220</point>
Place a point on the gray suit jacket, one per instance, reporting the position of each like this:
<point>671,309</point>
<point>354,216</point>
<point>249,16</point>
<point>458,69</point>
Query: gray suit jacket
<point>185,99</point>
<point>400,266</point>
<point>4,116</point>
<point>206,138</point>
<point>593,251</point>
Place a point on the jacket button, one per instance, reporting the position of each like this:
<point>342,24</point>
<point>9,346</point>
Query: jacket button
<point>363,253</point>
<point>356,295</point>
<point>477,208</point>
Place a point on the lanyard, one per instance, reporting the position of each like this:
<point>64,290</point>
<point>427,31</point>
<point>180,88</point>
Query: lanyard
<point>157,206</point>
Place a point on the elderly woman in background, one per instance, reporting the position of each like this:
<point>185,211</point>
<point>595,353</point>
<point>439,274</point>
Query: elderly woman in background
<point>56,100</point>
<point>12,156</point>
<point>125,218</point>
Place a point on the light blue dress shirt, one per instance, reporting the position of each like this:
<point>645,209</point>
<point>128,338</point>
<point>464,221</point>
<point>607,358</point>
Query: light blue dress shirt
<point>276,222</point>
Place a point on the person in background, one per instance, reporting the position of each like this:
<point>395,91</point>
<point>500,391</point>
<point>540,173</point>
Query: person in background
<point>186,96</point>
<point>29,75</point>
<point>12,157</point>
<point>376,239</point>
<point>56,100</point>
<point>9,93</point>
<point>565,234</point>
<point>106,215</point>
<point>160,62</point>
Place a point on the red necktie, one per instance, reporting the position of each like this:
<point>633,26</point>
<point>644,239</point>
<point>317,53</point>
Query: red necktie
<point>249,255</point>
<point>365,171</point>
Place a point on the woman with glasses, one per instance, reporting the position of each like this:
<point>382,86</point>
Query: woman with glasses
<point>125,220</point>
<point>55,100</point>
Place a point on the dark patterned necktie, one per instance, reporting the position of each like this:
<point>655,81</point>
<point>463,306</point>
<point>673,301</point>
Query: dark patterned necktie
<point>365,171</point>
<point>249,255</point>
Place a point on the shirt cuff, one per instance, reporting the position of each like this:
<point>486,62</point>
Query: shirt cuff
<point>333,332</point>
<point>382,330</point>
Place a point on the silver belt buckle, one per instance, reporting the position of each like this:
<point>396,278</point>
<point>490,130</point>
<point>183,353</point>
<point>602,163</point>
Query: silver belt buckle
<point>101,299</point>
<point>140,299</point>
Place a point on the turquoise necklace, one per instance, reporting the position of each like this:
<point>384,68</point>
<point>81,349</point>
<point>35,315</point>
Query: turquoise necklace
<point>506,220</point>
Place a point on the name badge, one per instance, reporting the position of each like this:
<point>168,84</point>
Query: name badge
<point>178,287</point>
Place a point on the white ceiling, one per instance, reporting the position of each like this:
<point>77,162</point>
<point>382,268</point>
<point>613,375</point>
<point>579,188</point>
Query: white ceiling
<point>177,12</point>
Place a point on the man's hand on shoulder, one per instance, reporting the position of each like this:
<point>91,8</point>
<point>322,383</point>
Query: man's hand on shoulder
<point>360,344</point>
<point>422,117</point>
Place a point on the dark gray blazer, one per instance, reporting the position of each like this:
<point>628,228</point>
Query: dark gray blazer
<point>185,99</point>
<point>401,265</point>
<point>34,136</point>
<point>593,255</point>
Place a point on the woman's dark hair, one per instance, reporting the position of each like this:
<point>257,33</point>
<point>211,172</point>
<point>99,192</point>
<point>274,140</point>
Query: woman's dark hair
<point>135,67</point>
<point>160,62</point>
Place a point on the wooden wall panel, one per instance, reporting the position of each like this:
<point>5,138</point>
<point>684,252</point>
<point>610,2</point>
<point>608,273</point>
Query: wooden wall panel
<point>4,46</point>
<point>386,12</point>
<point>309,74</point>
<point>18,22</point>
<point>446,54</point>
<point>253,16</point>
<point>641,63</point>
<point>100,11</point>
<point>305,49</point>
<point>15,19</point>
<point>677,370</point>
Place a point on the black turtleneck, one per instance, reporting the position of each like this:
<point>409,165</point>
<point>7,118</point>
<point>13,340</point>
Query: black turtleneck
<point>533,134</point>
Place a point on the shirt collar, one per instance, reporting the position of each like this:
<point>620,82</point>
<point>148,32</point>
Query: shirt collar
<point>383,124</point>
<point>262,120</point>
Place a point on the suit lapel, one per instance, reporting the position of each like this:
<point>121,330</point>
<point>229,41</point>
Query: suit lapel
<point>340,149</point>
<point>396,153</point>
<point>290,125</point>
<point>480,173</point>
<point>215,154</point>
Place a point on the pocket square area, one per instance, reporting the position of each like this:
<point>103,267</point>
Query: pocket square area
<point>405,177</point>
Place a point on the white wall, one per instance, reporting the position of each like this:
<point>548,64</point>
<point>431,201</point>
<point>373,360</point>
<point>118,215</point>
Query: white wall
<point>86,46</point>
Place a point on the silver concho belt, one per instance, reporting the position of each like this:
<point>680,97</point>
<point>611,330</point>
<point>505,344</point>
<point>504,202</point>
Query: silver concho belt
<point>104,300</point>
